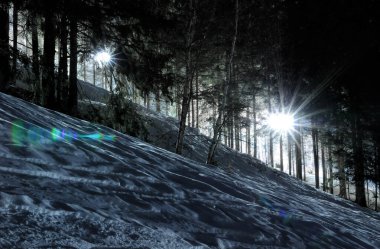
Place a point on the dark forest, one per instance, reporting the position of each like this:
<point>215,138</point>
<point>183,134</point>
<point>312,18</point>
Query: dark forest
<point>220,66</point>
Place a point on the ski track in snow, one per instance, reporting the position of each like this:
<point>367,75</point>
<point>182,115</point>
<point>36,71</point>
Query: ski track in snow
<point>128,194</point>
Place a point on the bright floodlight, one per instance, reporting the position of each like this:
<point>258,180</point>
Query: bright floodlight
<point>102,57</point>
<point>281,122</point>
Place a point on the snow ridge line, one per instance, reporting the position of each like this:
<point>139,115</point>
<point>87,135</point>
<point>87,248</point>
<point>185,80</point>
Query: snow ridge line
<point>59,176</point>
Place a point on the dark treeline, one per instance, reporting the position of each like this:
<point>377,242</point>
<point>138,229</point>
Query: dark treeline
<point>236,58</point>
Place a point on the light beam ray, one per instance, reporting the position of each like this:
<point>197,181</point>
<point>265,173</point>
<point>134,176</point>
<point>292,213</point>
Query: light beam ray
<point>321,87</point>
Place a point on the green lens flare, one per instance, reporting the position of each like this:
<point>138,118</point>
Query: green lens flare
<point>18,133</point>
<point>55,134</point>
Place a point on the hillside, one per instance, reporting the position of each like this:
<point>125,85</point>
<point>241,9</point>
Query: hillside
<point>67,183</point>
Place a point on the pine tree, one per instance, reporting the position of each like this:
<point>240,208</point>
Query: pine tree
<point>217,129</point>
<point>48,65</point>
<point>73,87</point>
<point>4,47</point>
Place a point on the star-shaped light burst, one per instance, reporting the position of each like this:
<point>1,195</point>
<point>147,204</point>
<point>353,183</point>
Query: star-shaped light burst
<point>281,122</point>
<point>103,58</point>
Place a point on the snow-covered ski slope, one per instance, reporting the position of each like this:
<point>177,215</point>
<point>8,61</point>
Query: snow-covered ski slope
<point>92,187</point>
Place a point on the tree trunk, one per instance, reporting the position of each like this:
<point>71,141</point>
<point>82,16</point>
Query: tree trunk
<point>147,101</point>
<point>178,102</point>
<point>324,184</point>
<point>189,115</point>
<point>225,133</point>
<point>293,162</point>
<point>226,86</point>
<point>94,73</point>
<point>84,70</point>
<point>331,176</point>
<point>290,153</point>
<point>377,171</point>
<point>303,157</point>
<point>342,182</point>
<point>185,109</point>
<point>197,98</point>
<point>158,102</point>
<point>248,133</point>
<point>314,134</point>
<point>192,103</point>
<point>281,155</point>
<point>134,94</point>
<point>15,38</point>
<point>254,127</point>
<point>271,160</point>
<point>271,156</point>
<point>348,186</point>
<point>111,79</point>
<point>367,194</point>
<point>214,142</point>
<point>62,68</point>
<point>298,153</point>
<point>35,58</point>
<point>357,142</point>
<point>48,78</point>
<point>376,194</point>
<point>231,132</point>
<point>342,174</point>
<point>241,139</point>
<point>73,87</point>
<point>229,117</point>
<point>237,133</point>
<point>4,46</point>
<point>227,129</point>
<point>188,82</point>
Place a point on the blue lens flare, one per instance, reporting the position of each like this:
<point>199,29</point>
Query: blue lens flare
<point>23,134</point>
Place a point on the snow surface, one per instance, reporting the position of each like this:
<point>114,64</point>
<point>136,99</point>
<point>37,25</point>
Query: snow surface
<point>82,193</point>
<point>91,92</point>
